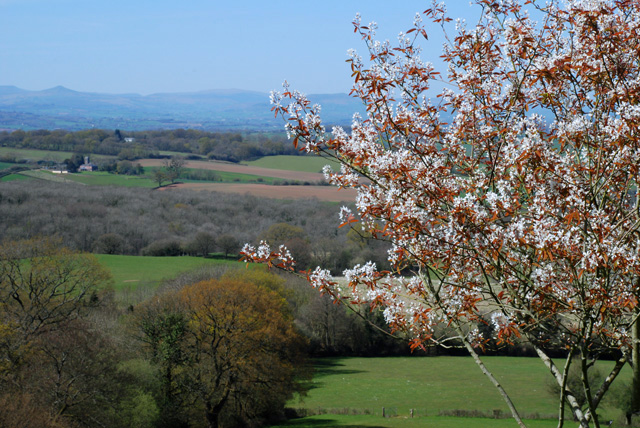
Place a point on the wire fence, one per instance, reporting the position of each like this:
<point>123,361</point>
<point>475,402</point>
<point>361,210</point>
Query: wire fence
<point>392,412</point>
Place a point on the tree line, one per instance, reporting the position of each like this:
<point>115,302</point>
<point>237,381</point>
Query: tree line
<point>193,355</point>
<point>131,145</point>
<point>136,221</point>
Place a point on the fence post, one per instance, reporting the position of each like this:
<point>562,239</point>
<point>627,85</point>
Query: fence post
<point>383,413</point>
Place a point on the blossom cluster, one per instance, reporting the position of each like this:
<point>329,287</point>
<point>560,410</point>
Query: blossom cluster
<point>513,193</point>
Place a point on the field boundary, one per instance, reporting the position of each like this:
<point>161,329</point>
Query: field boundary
<point>242,169</point>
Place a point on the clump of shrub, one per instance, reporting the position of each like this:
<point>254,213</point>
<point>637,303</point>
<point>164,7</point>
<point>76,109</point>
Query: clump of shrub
<point>109,243</point>
<point>163,248</point>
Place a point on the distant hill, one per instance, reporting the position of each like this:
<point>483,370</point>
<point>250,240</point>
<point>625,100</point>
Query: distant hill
<point>214,110</point>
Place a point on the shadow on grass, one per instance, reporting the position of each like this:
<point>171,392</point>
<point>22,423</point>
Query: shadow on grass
<point>324,423</point>
<point>331,366</point>
<point>325,367</point>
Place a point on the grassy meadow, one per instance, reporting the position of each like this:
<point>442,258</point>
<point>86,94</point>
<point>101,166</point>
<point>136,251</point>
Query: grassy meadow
<point>233,177</point>
<point>367,421</point>
<point>36,155</point>
<point>136,278</point>
<point>13,177</point>
<point>293,163</point>
<point>10,177</point>
<point>46,175</point>
<point>101,178</point>
<point>128,271</point>
<point>352,392</point>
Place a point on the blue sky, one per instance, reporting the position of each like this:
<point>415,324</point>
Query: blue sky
<point>150,46</point>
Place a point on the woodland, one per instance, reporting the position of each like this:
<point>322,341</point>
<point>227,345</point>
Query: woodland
<point>139,221</point>
<point>72,358</point>
<point>131,145</point>
<point>105,362</point>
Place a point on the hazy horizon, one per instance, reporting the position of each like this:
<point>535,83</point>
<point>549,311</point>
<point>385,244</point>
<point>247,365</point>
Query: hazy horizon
<point>213,90</point>
<point>144,47</point>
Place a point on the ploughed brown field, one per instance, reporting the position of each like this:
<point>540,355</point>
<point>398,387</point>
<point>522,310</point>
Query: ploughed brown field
<point>243,169</point>
<point>322,193</point>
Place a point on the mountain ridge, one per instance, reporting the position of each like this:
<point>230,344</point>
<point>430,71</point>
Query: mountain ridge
<point>214,109</point>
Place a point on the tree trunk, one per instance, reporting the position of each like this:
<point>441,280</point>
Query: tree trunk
<point>635,360</point>
<point>213,411</point>
<point>212,420</point>
<point>575,407</point>
<point>494,381</point>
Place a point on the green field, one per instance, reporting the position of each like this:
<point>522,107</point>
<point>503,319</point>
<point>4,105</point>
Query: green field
<point>182,154</point>
<point>36,155</point>
<point>101,178</point>
<point>362,421</point>
<point>430,385</point>
<point>130,271</point>
<point>10,177</point>
<point>136,278</point>
<point>294,163</point>
<point>230,177</point>
<point>5,165</point>
<point>14,177</point>
<point>47,175</point>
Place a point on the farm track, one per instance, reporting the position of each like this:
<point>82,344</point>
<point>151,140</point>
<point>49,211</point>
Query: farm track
<point>242,169</point>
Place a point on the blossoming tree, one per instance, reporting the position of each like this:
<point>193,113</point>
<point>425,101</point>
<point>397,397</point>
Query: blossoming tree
<point>511,193</point>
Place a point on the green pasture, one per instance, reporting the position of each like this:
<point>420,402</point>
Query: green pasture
<point>353,391</point>
<point>35,155</point>
<point>131,271</point>
<point>294,163</point>
<point>10,177</point>
<point>14,177</point>
<point>237,177</point>
<point>362,421</point>
<point>433,383</point>
<point>102,178</point>
<point>230,177</point>
<point>47,175</point>
<point>181,154</point>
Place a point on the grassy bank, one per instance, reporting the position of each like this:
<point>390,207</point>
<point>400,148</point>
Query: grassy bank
<point>133,271</point>
<point>136,278</point>
<point>337,421</point>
